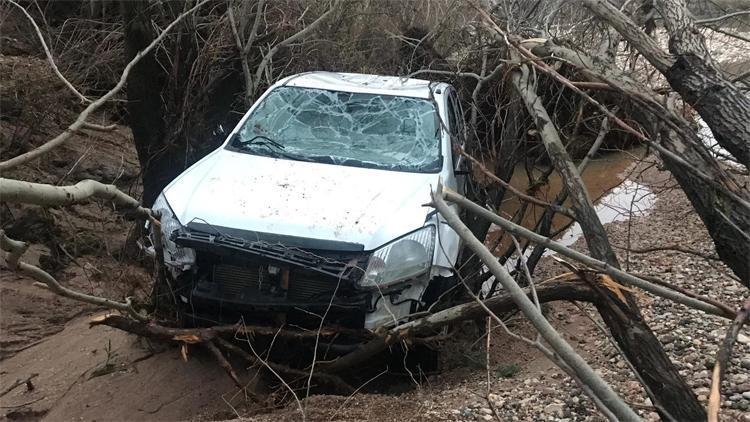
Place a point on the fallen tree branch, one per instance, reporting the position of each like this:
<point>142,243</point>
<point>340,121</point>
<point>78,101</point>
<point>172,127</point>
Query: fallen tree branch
<point>340,385</point>
<point>15,249</point>
<point>81,119</point>
<point>16,191</point>
<point>223,362</point>
<point>722,360</point>
<point>567,354</point>
<point>201,335</point>
<point>502,303</point>
<point>521,195</point>
<point>617,274</point>
<point>213,339</point>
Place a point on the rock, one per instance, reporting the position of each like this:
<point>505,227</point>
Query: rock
<point>746,395</point>
<point>741,338</point>
<point>703,390</point>
<point>668,338</point>
<point>485,411</point>
<point>555,409</point>
<point>745,363</point>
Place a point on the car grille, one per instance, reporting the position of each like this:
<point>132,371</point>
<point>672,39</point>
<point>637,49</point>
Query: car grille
<point>308,288</point>
<point>237,282</point>
<point>348,265</point>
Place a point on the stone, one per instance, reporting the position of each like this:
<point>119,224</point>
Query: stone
<point>746,395</point>
<point>741,338</point>
<point>555,409</point>
<point>703,390</point>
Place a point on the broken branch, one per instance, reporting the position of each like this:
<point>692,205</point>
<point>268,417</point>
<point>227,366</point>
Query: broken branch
<point>616,273</point>
<point>575,362</point>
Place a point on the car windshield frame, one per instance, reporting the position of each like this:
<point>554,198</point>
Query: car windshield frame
<point>265,144</point>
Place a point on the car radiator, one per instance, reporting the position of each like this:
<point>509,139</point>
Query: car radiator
<point>238,282</point>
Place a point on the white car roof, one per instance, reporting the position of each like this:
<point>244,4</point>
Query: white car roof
<point>357,82</point>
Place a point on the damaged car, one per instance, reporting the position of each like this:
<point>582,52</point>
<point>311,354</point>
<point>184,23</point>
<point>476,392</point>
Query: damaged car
<point>314,206</point>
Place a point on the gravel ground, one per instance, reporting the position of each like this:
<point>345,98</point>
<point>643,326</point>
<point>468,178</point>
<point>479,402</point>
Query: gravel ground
<point>540,391</point>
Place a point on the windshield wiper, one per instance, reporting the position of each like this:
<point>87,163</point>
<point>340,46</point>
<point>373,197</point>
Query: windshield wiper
<point>273,148</point>
<point>255,140</point>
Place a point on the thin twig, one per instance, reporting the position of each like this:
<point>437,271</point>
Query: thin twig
<point>722,360</point>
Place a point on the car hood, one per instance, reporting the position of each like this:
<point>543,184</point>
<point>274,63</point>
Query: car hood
<point>313,200</point>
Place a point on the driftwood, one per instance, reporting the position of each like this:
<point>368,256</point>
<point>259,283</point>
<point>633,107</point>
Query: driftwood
<point>215,338</point>
<point>575,290</point>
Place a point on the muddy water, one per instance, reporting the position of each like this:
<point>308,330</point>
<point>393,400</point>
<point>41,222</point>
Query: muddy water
<point>605,177</point>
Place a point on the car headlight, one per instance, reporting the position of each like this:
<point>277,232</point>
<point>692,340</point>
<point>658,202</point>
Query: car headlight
<point>173,254</point>
<point>404,258</point>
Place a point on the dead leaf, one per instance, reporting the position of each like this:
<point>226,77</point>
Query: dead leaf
<point>187,338</point>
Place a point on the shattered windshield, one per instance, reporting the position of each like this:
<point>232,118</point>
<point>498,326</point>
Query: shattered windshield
<point>344,128</point>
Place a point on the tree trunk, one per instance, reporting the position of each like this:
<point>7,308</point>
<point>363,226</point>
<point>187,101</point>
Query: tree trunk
<point>672,397</point>
<point>145,106</point>
<point>721,204</point>
<point>690,71</point>
<point>696,78</point>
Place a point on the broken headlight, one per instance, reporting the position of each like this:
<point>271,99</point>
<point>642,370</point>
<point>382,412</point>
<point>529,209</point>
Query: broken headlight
<point>174,255</point>
<point>402,259</point>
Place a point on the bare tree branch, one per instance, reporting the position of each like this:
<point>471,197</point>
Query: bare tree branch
<point>16,191</point>
<point>14,251</point>
<point>722,17</point>
<point>579,366</point>
<point>48,53</point>
<point>617,274</point>
<point>262,67</point>
<point>722,360</point>
<point>81,119</point>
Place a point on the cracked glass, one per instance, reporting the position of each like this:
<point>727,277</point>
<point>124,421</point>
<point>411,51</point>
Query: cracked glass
<point>344,128</point>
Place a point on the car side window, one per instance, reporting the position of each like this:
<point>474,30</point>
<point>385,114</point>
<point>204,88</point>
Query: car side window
<point>452,121</point>
<point>455,118</point>
<point>460,126</point>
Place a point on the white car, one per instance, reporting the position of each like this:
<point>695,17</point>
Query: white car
<point>315,205</point>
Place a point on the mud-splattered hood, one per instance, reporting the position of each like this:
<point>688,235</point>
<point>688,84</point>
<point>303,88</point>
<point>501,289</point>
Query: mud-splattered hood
<point>321,201</point>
